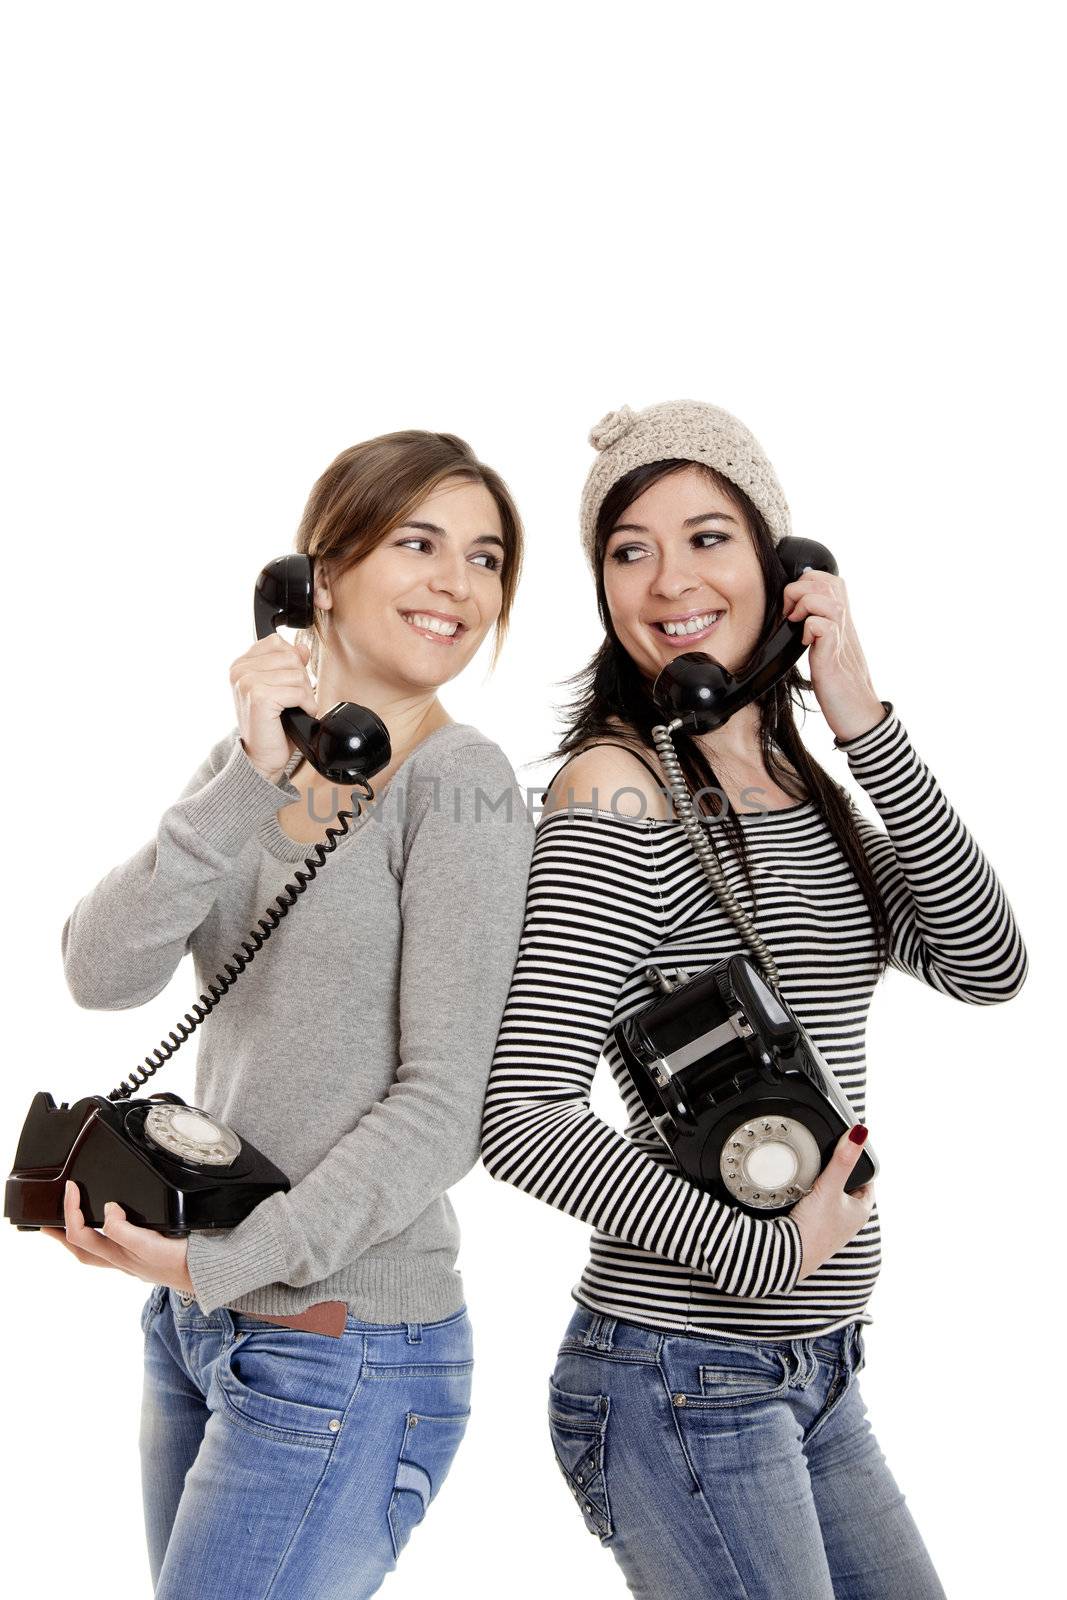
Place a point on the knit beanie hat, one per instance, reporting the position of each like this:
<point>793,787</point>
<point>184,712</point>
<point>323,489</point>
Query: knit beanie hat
<point>686,430</point>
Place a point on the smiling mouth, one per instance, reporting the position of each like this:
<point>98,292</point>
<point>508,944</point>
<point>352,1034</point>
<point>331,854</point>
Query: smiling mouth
<point>691,628</point>
<point>435,628</point>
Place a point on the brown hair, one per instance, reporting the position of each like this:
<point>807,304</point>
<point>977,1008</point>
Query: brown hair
<point>612,685</point>
<point>370,489</point>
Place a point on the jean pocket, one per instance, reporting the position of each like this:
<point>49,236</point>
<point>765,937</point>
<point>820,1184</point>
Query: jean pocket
<point>578,1425</point>
<point>288,1383</point>
<point>741,1377</point>
<point>428,1450</point>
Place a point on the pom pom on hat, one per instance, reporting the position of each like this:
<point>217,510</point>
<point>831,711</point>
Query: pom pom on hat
<point>612,427</point>
<point>680,430</point>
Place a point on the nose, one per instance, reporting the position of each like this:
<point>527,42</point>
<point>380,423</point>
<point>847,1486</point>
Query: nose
<point>675,575</point>
<point>451,575</point>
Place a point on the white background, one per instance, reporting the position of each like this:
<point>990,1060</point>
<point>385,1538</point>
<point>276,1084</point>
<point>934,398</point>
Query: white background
<point>241,238</point>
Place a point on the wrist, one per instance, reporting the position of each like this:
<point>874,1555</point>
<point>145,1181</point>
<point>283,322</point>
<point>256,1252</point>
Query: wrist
<point>855,725</point>
<point>272,774</point>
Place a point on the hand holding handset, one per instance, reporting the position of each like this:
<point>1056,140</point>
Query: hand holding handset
<point>729,1077</point>
<point>350,743</point>
<point>173,1167</point>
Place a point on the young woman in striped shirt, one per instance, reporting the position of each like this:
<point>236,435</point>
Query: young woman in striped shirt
<point>703,1408</point>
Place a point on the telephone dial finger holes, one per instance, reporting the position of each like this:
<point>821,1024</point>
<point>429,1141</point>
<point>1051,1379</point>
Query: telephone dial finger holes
<point>192,1136</point>
<point>770,1161</point>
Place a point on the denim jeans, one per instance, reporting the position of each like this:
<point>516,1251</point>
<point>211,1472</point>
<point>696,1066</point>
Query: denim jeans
<point>733,1469</point>
<point>285,1463</point>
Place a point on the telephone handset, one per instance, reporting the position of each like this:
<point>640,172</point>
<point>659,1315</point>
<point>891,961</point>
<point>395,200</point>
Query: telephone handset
<point>729,1077</point>
<point>350,741</point>
<point>702,694</point>
<point>173,1167</point>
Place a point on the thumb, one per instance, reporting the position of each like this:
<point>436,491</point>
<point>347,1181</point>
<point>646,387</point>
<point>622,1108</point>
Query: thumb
<point>116,1226</point>
<point>847,1152</point>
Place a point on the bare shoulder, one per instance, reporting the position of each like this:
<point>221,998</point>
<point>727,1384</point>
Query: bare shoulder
<point>612,779</point>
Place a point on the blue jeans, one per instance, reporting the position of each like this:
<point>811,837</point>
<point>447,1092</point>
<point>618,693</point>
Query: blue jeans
<point>730,1468</point>
<point>285,1463</point>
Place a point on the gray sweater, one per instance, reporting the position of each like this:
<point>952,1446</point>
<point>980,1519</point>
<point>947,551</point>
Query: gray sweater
<point>354,1049</point>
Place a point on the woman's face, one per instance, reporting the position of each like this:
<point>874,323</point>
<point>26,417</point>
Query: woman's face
<point>681,554</point>
<point>414,611</point>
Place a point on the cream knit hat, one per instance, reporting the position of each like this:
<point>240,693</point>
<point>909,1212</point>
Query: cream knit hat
<point>686,430</point>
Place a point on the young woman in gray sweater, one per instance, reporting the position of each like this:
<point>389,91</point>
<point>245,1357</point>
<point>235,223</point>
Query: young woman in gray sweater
<point>307,1373</point>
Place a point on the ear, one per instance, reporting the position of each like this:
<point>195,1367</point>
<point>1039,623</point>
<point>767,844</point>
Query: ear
<point>321,595</point>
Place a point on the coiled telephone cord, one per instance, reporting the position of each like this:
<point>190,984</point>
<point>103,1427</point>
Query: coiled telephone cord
<point>238,962</point>
<point>737,914</point>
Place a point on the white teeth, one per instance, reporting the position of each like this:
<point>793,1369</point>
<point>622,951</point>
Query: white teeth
<point>694,625</point>
<point>434,624</point>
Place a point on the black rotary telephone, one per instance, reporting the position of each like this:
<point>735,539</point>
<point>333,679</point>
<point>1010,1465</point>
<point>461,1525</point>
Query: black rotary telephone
<point>730,1079</point>
<point>173,1167</point>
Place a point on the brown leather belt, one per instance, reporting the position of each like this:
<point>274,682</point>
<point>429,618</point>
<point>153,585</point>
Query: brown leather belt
<point>327,1316</point>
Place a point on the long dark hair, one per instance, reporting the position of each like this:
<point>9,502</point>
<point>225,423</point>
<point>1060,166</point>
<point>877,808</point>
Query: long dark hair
<point>612,685</point>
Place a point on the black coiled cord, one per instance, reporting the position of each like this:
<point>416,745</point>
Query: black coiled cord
<point>236,965</point>
<point>707,857</point>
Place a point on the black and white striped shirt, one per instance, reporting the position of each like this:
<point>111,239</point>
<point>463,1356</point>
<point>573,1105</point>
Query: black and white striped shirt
<point>610,896</point>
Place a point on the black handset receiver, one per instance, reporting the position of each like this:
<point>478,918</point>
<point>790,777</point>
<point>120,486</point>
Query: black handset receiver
<point>173,1167</point>
<point>350,741</point>
<point>730,1079</point>
<point>702,694</point>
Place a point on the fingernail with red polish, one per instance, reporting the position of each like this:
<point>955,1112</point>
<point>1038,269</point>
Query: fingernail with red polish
<point>858,1133</point>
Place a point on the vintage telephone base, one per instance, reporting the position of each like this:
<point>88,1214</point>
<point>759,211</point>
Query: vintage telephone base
<point>109,1149</point>
<point>727,1076</point>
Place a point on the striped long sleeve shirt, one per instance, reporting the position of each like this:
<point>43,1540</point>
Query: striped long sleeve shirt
<point>611,896</point>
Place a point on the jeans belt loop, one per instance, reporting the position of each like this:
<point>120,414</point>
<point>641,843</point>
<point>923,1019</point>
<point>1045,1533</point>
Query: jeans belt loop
<point>598,1335</point>
<point>813,1362</point>
<point>805,1364</point>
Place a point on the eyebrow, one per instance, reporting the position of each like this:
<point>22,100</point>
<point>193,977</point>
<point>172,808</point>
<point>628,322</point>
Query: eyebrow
<point>690,522</point>
<point>431,527</point>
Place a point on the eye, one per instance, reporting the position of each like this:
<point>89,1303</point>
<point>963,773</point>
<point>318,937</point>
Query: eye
<point>493,562</point>
<point>627,554</point>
